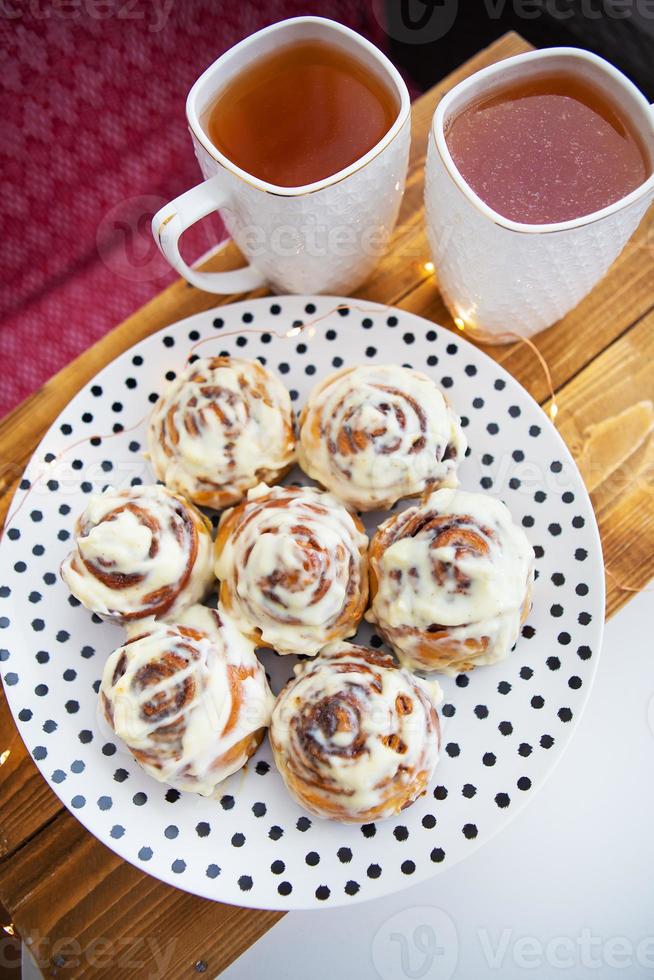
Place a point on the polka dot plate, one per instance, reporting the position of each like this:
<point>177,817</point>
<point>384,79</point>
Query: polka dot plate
<point>504,727</point>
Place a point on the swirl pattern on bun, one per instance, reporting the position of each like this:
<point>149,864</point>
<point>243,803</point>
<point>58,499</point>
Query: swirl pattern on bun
<point>292,567</point>
<point>189,699</point>
<point>451,581</point>
<point>373,435</point>
<point>221,427</point>
<point>139,552</point>
<point>355,736</point>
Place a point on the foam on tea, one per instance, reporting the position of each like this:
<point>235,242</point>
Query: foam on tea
<point>301,114</point>
<point>548,149</point>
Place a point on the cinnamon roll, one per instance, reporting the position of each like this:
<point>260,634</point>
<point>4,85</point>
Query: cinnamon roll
<point>355,736</point>
<point>139,552</point>
<point>451,581</point>
<point>292,567</point>
<point>222,426</point>
<point>190,700</point>
<point>373,435</point>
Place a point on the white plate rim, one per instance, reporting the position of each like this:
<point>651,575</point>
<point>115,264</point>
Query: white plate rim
<point>362,306</point>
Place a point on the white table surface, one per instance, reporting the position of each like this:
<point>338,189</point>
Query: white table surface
<point>566,890</point>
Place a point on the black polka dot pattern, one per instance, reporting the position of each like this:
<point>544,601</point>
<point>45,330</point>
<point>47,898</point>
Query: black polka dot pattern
<point>503,726</point>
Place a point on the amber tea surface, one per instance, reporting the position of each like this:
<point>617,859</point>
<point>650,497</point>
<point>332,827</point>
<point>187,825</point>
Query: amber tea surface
<point>301,114</point>
<point>548,149</point>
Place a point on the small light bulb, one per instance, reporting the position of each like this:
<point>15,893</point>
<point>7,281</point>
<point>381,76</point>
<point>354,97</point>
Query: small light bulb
<point>458,322</point>
<point>554,410</point>
<point>4,756</point>
<point>428,267</point>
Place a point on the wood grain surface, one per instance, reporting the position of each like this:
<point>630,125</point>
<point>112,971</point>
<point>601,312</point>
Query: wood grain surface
<point>84,910</point>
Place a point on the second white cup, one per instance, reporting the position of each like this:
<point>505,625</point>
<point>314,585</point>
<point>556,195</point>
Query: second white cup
<point>497,275</point>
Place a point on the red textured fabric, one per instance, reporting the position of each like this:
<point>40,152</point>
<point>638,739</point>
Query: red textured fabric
<point>94,142</point>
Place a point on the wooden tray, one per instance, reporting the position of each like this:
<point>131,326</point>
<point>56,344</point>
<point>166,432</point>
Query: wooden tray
<point>86,912</point>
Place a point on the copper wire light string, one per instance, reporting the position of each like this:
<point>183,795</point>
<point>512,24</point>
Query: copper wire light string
<point>308,327</point>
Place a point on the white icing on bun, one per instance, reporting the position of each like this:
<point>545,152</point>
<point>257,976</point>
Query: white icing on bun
<point>292,568</point>
<point>355,737</point>
<point>451,581</point>
<point>222,426</point>
<point>189,699</point>
<point>139,552</point>
<point>373,435</point>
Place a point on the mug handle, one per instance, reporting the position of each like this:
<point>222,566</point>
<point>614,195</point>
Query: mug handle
<point>172,220</point>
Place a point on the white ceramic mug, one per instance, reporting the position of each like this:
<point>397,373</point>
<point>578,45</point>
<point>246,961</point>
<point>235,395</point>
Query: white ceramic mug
<point>498,275</point>
<point>323,237</point>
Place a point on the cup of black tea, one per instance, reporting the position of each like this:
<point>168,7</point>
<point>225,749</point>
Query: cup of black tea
<point>302,134</point>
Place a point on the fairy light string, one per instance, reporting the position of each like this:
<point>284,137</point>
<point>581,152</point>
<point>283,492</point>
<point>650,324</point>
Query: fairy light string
<point>308,328</point>
<point>47,469</point>
<point>476,333</point>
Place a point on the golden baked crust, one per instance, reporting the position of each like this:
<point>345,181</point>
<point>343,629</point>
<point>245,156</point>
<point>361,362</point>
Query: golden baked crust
<point>293,568</point>
<point>355,736</point>
<point>221,427</point>
<point>373,435</point>
<point>450,581</point>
